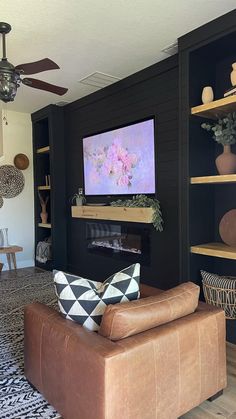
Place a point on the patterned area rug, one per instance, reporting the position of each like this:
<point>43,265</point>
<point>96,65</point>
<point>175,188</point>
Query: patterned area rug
<point>18,399</point>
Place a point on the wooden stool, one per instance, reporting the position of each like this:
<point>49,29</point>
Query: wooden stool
<point>10,251</point>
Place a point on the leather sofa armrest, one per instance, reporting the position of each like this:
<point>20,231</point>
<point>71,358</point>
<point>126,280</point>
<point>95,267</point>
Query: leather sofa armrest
<point>39,316</point>
<point>62,357</point>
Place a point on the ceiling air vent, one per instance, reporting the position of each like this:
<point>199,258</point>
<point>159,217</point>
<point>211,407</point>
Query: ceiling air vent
<point>171,49</point>
<point>61,103</point>
<point>99,80</point>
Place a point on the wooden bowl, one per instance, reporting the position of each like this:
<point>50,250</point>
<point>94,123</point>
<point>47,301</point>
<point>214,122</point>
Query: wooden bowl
<point>227,228</point>
<point>21,161</point>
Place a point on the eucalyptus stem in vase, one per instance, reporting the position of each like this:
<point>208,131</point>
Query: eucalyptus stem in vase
<point>224,132</point>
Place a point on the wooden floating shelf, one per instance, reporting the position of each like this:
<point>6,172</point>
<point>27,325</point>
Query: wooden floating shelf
<point>216,109</point>
<point>213,179</point>
<point>136,215</point>
<point>219,250</point>
<point>44,188</point>
<point>43,150</point>
<point>48,225</point>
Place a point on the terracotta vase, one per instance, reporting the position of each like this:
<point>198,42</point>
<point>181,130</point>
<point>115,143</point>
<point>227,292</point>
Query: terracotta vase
<point>226,162</point>
<point>44,217</point>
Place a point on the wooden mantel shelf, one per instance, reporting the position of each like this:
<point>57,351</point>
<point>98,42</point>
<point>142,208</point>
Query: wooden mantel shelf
<point>136,215</point>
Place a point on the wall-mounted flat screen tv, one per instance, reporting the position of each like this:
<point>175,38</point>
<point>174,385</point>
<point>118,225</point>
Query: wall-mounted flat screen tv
<point>120,161</point>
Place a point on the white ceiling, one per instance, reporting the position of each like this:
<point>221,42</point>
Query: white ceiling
<point>117,37</point>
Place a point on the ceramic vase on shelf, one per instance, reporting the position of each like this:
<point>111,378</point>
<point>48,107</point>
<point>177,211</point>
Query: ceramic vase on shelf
<point>44,216</point>
<point>43,213</point>
<point>233,75</point>
<point>4,237</point>
<point>207,94</point>
<point>226,162</point>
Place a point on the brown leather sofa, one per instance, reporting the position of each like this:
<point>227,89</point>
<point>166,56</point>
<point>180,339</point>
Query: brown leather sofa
<point>157,372</point>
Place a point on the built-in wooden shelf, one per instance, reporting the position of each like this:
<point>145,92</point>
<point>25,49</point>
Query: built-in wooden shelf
<point>48,225</point>
<point>136,215</point>
<point>44,188</point>
<point>43,150</point>
<point>219,250</point>
<point>213,179</point>
<point>216,109</point>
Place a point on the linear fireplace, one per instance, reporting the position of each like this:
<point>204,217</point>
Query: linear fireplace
<point>119,240</point>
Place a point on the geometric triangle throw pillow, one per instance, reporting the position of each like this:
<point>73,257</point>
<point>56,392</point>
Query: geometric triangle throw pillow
<point>84,301</point>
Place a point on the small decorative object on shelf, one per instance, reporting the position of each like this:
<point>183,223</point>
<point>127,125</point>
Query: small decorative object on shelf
<point>47,180</point>
<point>227,228</point>
<point>43,203</point>
<point>207,94</point>
<point>142,201</point>
<point>230,92</point>
<point>44,250</point>
<point>79,197</point>
<point>233,75</point>
<point>224,133</point>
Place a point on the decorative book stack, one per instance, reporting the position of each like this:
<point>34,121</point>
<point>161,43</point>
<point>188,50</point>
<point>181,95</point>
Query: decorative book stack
<point>230,92</point>
<point>47,180</point>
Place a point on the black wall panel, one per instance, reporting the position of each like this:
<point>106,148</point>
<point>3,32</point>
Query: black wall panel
<point>151,92</point>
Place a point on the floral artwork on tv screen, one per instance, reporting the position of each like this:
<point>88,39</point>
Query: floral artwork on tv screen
<point>121,161</point>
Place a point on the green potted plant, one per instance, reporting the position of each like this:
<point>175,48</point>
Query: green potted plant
<point>78,198</point>
<point>143,201</point>
<point>224,132</point>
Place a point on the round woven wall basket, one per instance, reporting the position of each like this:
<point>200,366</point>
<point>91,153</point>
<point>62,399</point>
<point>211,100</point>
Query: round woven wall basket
<point>12,181</point>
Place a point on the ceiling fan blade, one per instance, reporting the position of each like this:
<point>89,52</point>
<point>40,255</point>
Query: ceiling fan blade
<point>42,85</point>
<point>37,66</point>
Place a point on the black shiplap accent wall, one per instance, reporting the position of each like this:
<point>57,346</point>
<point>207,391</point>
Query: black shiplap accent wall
<point>150,92</point>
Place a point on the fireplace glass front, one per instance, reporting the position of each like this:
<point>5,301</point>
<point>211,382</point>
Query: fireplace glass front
<point>116,240</point>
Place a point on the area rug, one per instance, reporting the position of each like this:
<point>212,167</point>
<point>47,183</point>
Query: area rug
<point>18,400</point>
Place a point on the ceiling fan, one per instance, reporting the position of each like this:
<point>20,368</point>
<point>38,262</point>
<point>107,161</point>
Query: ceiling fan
<point>10,76</point>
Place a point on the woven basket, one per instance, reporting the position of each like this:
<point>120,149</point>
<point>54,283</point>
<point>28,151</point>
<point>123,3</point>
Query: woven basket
<point>222,295</point>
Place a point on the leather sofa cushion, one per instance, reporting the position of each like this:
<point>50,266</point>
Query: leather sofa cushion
<point>122,320</point>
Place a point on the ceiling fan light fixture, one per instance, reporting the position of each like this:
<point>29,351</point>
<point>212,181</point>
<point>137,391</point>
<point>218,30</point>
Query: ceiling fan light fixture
<point>9,82</point>
<point>10,76</point>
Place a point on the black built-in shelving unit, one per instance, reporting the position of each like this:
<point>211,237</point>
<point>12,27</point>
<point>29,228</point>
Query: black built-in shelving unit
<point>49,159</point>
<point>205,58</point>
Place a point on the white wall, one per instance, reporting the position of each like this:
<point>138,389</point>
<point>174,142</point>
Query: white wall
<point>18,213</point>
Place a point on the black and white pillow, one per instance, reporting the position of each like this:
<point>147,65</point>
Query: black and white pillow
<point>84,301</point>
